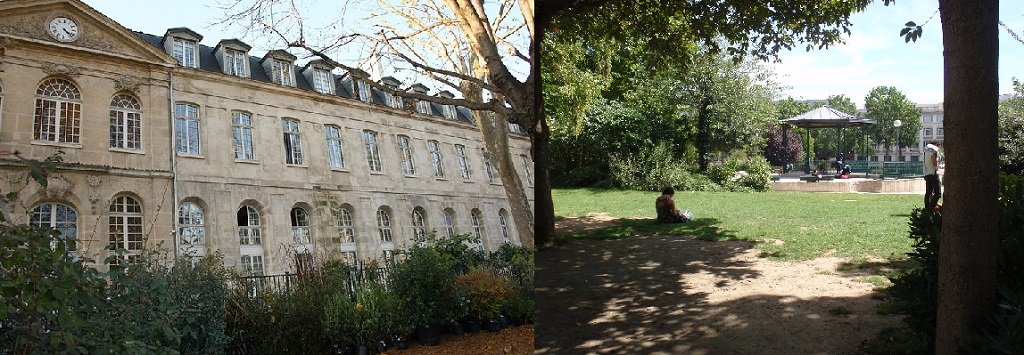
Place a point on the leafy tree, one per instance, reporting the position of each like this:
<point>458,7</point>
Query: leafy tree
<point>885,105</point>
<point>1011,131</point>
<point>779,152</point>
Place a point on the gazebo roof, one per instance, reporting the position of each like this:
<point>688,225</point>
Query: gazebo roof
<point>827,117</point>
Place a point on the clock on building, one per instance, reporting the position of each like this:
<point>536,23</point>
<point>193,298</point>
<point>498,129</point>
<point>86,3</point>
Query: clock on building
<point>63,29</point>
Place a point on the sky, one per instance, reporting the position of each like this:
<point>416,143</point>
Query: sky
<point>875,55</point>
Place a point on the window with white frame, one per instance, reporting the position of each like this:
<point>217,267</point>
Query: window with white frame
<point>927,132</point>
<point>292,144</point>
<point>419,222</point>
<point>449,112</point>
<point>124,224</point>
<point>488,167</point>
<point>125,121</point>
<point>234,62</point>
<point>60,217</point>
<point>248,222</point>
<point>191,226</point>
<point>186,128</point>
<point>253,264</point>
<point>322,81</point>
<point>435,158</point>
<point>301,233</point>
<point>384,225</point>
<point>449,222</point>
<point>349,257</point>
<point>394,101</point>
<point>423,106</point>
<point>372,151</point>
<point>464,168</point>
<point>241,133</point>
<point>503,223</point>
<point>58,114</point>
<point>334,153</point>
<point>281,72</point>
<point>526,168</point>
<point>185,52</point>
<point>364,91</point>
<point>346,227</point>
<point>405,151</point>
<point>478,224</point>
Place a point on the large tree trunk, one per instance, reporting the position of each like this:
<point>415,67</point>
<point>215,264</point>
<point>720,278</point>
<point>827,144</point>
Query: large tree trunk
<point>543,204</point>
<point>969,249</point>
<point>495,131</point>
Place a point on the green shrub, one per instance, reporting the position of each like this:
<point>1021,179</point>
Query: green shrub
<point>486,293</point>
<point>423,283</point>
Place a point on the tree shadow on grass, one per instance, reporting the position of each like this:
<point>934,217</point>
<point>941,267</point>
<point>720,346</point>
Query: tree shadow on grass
<point>589,227</point>
<point>630,296</point>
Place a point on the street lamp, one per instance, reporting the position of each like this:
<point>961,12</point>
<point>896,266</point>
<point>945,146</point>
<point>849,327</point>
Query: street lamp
<point>897,124</point>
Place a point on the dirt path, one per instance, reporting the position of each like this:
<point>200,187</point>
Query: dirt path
<point>679,295</point>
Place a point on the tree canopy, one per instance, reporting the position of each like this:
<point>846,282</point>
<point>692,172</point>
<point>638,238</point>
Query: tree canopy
<point>885,105</point>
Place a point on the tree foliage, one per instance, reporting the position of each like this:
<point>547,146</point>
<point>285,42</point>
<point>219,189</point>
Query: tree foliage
<point>1011,131</point>
<point>885,105</point>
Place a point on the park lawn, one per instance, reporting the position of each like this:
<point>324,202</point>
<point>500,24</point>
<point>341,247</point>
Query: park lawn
<point>784,225</point>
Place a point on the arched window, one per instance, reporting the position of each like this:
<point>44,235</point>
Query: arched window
<point>58,216</point>
<point>125,226</point>
<point>419,222</point>
<point>384,225</point>
<point>58,113</point>
<point>503,223</point>
<point>300,226</point>
<point>346,229</point>
<point>478,224</point>
<point>191,225</point>
<point>125,122</point>
<point>248,226</point>
<point>449,222</point>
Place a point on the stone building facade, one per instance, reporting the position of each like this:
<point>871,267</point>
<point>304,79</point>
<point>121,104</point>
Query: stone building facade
<point>169,143</point>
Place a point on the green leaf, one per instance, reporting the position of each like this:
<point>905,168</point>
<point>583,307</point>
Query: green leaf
<point>911,24</point>
<point>904,31</point>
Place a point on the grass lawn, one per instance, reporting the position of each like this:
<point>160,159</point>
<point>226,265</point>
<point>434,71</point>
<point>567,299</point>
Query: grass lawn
<point>785,225</point>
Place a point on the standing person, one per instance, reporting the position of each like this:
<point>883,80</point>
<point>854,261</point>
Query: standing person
<point>933,187</point>
<point>666,207</point>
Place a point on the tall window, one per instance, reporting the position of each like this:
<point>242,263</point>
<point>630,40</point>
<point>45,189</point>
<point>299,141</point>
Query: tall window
<point>503,223</point>
<point>419,222</point>
<point>248,221</point>
<point>282,72</point>
<point>58,216</point>
<point>423,106</point>
<point>460,153</point>
<point>526,168</point>
<point>478,224</point>
<point>125,119</point>
<point>300,226</point>
<point>488,167</point>
<point>346,229</point>
<point>435,157</point>
<point>186,126</point>
<point>253,264</point>
<point>384,225</point>
<point>185,52</point>
<point>449,112</point>
<point>372,153</point>
<point>449,222</point>
<point>322,81</point>
<point>364,91</point>
<point>292,145</point>
<point>192,226</point>
<point>58,113</point>
<point>405,150</point>
<point>234,62</point>
<point>125,226</point>
<point>241,132</point>
<point>334,152</point>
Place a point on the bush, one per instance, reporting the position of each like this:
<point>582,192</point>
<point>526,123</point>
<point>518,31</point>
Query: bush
<point>423,282</point>
<point>485,292</point>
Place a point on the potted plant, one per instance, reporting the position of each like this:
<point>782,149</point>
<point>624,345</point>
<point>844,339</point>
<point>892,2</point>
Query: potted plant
<point>486,294</point>
<point>423,282</point>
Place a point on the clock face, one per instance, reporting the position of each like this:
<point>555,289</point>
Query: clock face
<point>63,29</point>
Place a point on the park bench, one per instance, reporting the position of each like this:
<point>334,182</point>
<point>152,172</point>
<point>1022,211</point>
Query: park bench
<point>902,169</point>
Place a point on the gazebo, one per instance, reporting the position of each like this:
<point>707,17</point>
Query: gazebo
<point>822,117</point>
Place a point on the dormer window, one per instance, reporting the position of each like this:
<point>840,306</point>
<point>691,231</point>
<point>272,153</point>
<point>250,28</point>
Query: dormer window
<point>448,111</point>
<point>322,81</point>
<point>364,91</point>
<point>234,63</point>
<point>423,107</point>
<point>185,52</point>
<point>392,100</point>
<point>282,72</point>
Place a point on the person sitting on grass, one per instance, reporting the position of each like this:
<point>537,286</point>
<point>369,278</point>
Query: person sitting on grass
<point>666,207</point>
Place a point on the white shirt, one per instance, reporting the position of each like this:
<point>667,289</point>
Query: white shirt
<point>931,168</point>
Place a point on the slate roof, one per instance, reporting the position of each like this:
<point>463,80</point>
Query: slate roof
<point>208,62</point>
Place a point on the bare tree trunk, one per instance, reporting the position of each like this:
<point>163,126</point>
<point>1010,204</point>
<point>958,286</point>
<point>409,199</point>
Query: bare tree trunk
<point>970,223</point>
<point>540,135</point>
<point>495,132</point>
